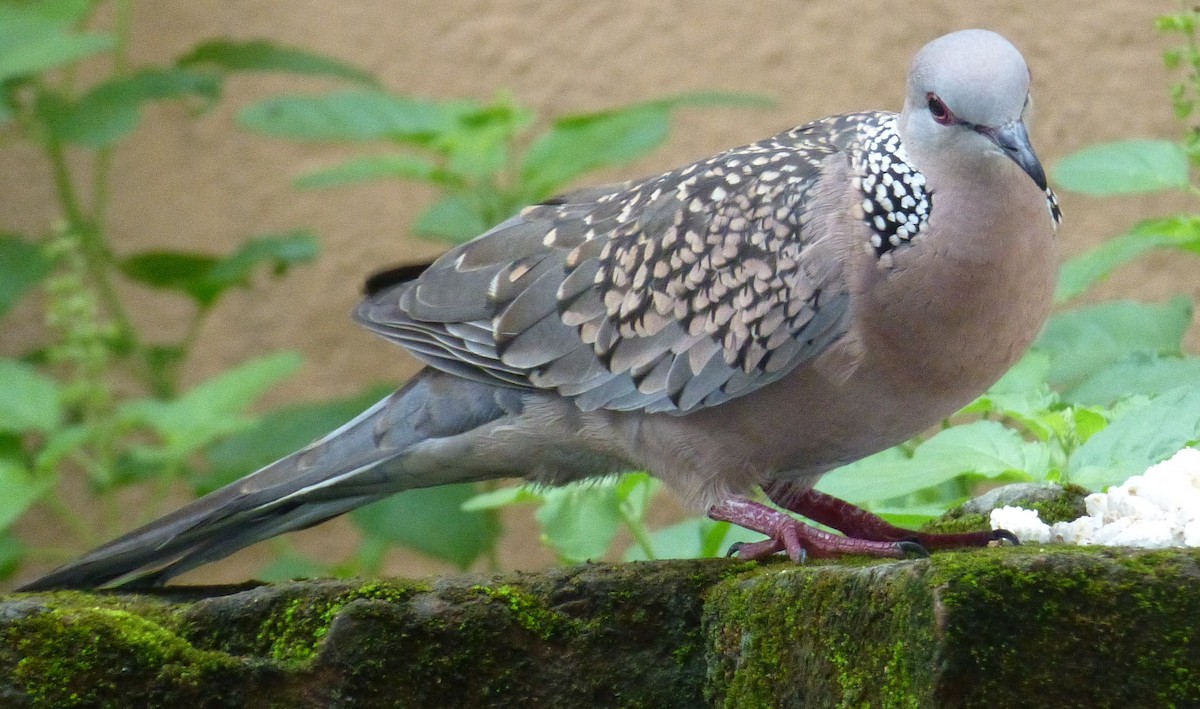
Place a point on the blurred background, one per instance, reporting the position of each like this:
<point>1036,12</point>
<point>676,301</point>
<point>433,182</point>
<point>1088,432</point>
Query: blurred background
<point>191,176</point>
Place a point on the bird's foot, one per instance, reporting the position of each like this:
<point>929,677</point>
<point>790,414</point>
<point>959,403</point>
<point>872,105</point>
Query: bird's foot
<point>798,539</point>
<point>856,522</point>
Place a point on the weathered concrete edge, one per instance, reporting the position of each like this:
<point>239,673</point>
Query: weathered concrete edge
<point>1030,626</point>
<point>1094,626</point>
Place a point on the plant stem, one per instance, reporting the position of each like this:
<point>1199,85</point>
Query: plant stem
<point>68,198</point>
<point>96,253</point>
<point>637,528</point>
<point>103,168</point>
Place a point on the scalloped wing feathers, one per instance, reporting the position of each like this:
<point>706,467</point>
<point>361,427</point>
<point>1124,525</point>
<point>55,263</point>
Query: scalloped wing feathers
<point>666,295</point>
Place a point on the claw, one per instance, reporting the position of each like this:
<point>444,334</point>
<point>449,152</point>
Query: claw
<point>1003,535</point>
<point>857,523</point>
<point>755,550</point>
<point>912,549</point>
<point>799,540</point>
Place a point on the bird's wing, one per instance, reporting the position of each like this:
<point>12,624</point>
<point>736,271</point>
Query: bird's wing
<point>670,294</point>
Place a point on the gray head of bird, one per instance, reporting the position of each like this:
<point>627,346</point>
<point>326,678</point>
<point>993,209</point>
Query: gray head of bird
<point>966,105</point>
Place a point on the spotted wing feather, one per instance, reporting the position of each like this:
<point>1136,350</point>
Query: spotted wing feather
<point>666,295</point>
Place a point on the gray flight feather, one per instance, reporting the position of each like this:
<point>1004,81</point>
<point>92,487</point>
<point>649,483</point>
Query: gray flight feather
<point>363,461</point>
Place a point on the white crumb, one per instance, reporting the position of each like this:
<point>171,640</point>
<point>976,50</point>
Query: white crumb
<point>1159,508</point>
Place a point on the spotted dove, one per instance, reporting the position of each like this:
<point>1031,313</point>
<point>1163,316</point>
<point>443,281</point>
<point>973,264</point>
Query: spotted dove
<point>757,318</point>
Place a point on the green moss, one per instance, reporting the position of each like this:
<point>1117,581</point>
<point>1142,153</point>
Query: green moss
<point>973,628</point>
<point>592,635</point>
<point>955,522</point>
<point>90,655</point>
<point>295,633</point>
<point>1119,623</point>
<point>1067,507</point>
<point>526,609</point>
<point>820,627</point>
<point>988,627</point>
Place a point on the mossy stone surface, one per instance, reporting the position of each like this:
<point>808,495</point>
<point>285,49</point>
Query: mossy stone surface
<point>595,635</point>
<point>1024,626</point>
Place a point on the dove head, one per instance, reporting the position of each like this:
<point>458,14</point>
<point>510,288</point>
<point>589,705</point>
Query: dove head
<point>966,103</point>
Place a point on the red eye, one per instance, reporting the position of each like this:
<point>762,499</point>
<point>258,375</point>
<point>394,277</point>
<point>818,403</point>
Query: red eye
<point>938,109</point>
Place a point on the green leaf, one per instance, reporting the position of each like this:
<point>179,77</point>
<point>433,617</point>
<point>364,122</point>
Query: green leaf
<point>12,553</point>
<point>635,492</point>
<point>163,363</point>
<point>278,433</point>
<point>1140,374</point>
<point>983,448</point>
<point>911,516</point>
<point>277,251</point>
<point>349,115</point>
<point>693,538</point>
<point>111,110</point>
<point>478,144</point>
<point>205,277</point>
<point>1087,422</point>
<point>38,37</point>
<point>18,490</point>
<point>289,567</point>
<point>431,521</point>
<point>1138,438</point>
<point>578,144</point>
<point>29,400</point>
<point>1022,392</point>
<point>261,55</point>
<point>452,217</point>
<point>23,265</point>
<point>170,270</point>
<point>1081,272</point>
<point>376,167</point>
<point>502,497</point>
<point>212,409</point>
<point>479,153</point>
<point>1126,167</point>
<point>141,463</point>
<point>580,520</point>
<point>1082,342</point>
<point>60,12</point>
<point>58,445</point>
<point>886,474</point>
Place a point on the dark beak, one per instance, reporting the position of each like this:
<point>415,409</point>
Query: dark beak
<point>1013,139</point>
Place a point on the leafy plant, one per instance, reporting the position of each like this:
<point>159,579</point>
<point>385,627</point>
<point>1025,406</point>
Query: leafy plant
<point>62,412</point>
<point>476,154</point>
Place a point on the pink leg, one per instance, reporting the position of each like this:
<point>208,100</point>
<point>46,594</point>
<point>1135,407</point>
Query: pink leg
<point>857,522</point>
<point>796,538</point>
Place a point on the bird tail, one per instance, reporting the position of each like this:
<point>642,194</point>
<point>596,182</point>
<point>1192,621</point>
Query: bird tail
<point>361,462</point>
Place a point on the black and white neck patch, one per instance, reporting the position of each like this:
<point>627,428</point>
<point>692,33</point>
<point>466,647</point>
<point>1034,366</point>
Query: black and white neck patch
<point>895,203</point>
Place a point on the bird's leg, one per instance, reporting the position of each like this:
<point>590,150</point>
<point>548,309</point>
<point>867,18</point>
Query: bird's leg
<point>796,538</point>
<point>856,522</point>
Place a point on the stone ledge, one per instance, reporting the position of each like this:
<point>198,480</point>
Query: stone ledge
<point>1001,627</point>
